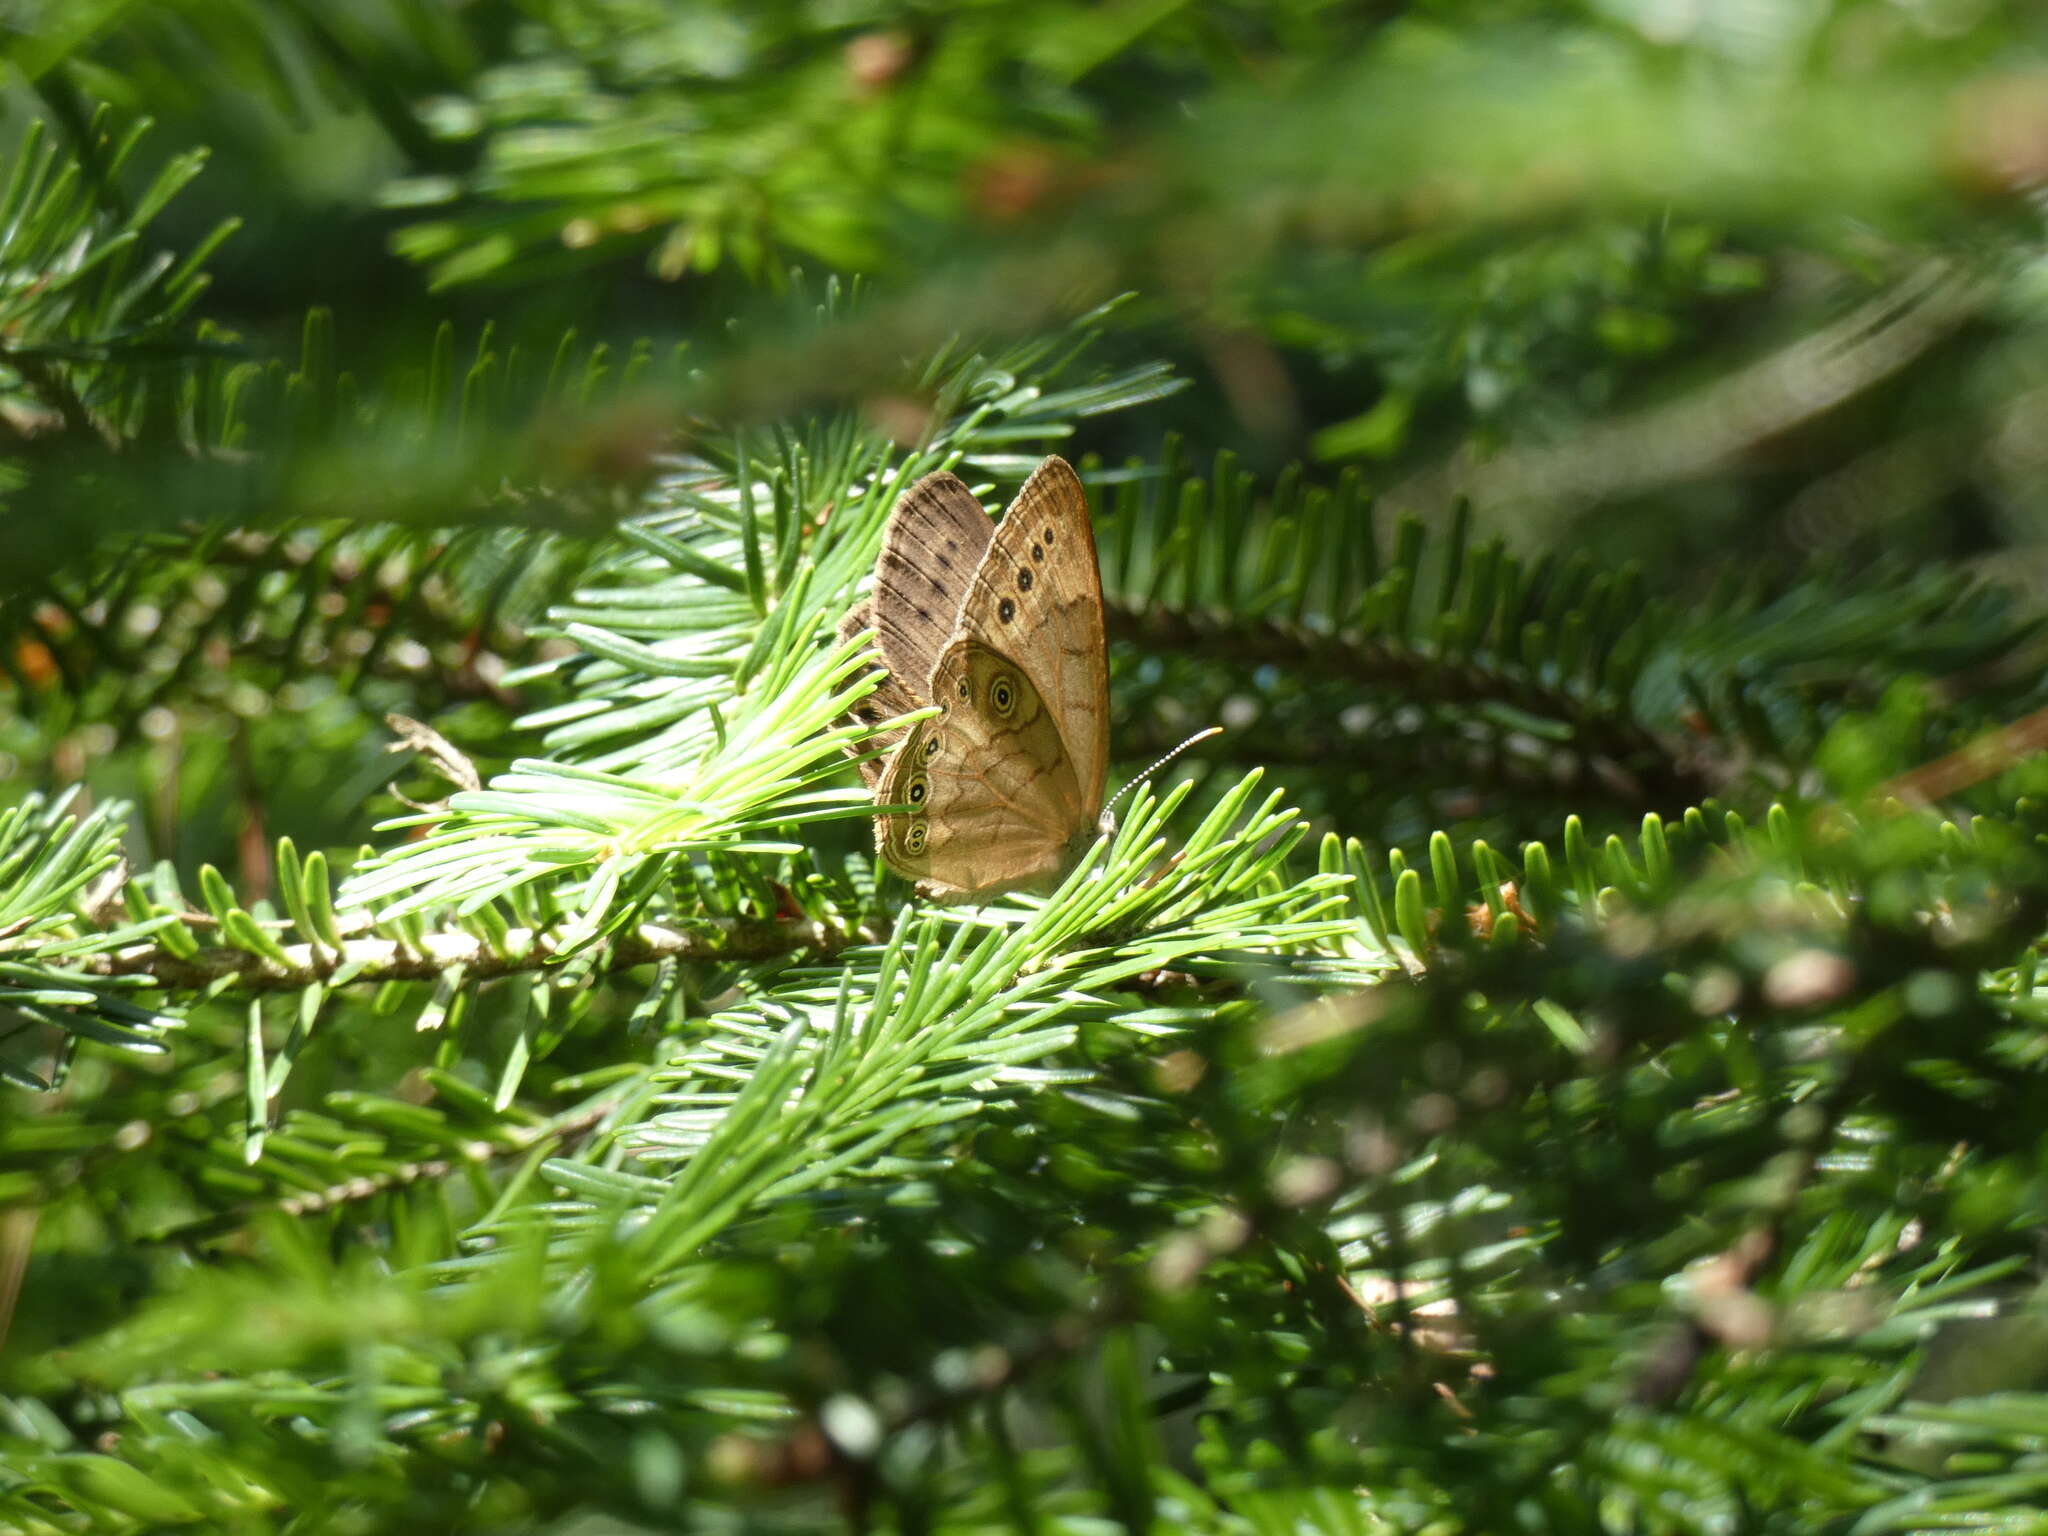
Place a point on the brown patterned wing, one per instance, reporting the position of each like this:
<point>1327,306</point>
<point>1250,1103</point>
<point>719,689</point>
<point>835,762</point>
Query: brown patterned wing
<point>1037,597</point>
<point>936,536</point>
<point>994,801</point>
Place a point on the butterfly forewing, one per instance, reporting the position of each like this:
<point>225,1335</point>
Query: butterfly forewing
<point>1037,598</point>
<point>936,536</point>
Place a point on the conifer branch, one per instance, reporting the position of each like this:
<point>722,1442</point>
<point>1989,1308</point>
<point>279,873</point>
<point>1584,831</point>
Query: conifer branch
<point>525,951</point>
<point>56,392</point>
<point>510,1141</point>
<point>1667,773</point>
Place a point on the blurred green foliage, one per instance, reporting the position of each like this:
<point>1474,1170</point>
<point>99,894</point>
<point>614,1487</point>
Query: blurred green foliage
<point>1589,454</point>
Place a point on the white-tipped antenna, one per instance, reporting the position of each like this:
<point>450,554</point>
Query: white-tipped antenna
<point>1106,822</point>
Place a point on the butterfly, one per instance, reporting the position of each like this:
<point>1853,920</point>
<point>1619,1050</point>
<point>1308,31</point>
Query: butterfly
<point>1000,626</point>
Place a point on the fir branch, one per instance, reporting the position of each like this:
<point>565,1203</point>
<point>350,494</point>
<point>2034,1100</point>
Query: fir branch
<point>1665,772</point>
<point>42,378</point>
<point>524,951</point>
<point>509,1141</point>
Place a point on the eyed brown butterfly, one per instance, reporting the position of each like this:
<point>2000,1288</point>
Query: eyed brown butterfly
<point>1000,626</point>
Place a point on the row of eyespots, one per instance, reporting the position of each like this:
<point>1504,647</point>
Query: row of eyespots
<point>919,790</point>
<point>1006,610</point>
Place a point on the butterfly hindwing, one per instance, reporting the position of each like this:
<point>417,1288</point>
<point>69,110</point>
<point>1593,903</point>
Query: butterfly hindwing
<point>993,797</point>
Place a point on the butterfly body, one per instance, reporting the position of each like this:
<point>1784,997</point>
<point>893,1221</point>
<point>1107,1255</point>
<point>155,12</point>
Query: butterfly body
<point>1001,628</point>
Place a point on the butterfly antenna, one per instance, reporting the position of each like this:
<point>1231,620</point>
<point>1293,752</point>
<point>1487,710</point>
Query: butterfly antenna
<point>1107,821</point>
